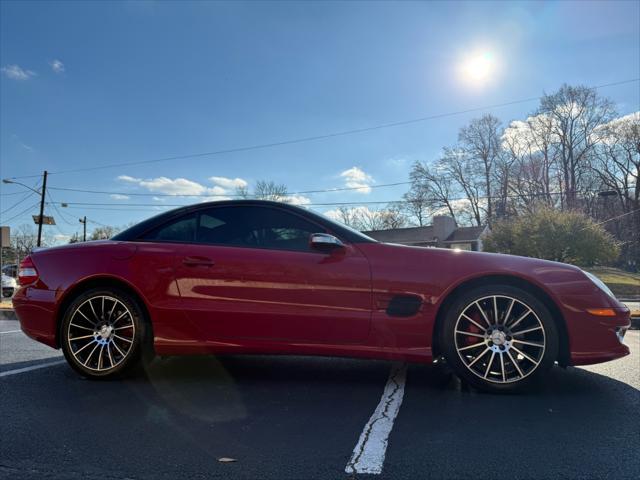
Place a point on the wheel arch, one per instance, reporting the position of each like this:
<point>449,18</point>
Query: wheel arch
<point>102,281</point>
<point>563,353</point>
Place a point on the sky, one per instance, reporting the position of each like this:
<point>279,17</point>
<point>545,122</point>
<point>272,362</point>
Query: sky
<point>88,84</point>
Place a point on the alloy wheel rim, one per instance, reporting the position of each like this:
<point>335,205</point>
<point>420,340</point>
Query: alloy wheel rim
<point>101,333</point>
<point>500,339</point>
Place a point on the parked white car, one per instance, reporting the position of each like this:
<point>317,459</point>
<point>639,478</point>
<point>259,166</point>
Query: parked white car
<point>9,286</point>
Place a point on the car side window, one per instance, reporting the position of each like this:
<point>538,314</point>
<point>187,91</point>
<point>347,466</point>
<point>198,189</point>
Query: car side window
<point>182,229</point>
<point>257,227</point>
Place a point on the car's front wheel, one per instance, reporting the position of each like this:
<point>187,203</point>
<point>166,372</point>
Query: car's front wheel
<point>102,333</point>
<point>499,338</point>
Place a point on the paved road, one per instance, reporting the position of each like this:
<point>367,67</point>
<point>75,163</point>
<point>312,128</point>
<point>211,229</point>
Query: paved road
<point>298,417</point>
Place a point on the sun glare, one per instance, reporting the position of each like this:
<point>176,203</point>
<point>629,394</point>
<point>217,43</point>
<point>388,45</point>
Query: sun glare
<point>478,68</point>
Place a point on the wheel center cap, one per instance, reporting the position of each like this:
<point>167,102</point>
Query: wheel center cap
<point>105,332</point>
<point>498,337</point>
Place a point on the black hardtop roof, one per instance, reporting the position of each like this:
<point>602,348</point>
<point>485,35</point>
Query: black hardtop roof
<point>134,232</point>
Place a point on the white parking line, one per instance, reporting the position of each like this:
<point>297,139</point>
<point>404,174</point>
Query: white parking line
<point>32,367</point>
<point>10,331</point>
<point>368,456</point>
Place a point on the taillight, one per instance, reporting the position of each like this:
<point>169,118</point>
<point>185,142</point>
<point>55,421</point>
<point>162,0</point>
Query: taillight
<point>28,272</point>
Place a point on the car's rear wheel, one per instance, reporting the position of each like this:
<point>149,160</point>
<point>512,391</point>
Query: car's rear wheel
<point>103,333</point>
<point>499,338</point>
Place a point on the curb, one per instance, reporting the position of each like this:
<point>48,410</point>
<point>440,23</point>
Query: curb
<point>7,314</point>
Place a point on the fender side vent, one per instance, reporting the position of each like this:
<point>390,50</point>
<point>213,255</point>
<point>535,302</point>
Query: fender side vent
<point>404,306</point>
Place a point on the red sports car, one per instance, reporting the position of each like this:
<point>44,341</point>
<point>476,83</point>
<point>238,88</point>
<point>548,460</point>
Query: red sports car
<point>265,277</point>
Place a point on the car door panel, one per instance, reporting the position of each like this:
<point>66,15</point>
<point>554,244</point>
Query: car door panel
<point>276,295</point>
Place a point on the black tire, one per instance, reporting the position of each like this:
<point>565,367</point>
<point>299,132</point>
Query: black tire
<point>479,355</point>
<point>105,339</point>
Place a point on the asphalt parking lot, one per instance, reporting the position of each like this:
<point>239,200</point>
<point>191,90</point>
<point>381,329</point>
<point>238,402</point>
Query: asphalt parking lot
<point>302,418</point>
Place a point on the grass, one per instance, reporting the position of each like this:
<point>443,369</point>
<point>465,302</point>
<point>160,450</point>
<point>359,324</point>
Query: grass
<point>622,284</point>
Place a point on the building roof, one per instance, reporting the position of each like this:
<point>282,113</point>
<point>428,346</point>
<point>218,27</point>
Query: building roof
<point>403,235</point>
<point>465,234</point>
<point>425,235</point>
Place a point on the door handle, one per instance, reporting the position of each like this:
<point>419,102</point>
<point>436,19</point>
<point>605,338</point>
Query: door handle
<point>198,262</point>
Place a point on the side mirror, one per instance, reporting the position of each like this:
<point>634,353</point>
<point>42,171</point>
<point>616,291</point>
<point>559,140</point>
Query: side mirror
<point>325,242</point>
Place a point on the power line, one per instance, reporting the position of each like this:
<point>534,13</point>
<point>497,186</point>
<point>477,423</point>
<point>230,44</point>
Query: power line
<point>97,223</point>
<point>11,193</point>
<point>118,209</point>
<point>29,194</point>
<point>22,212</point>
<point>314,137</point>
<point>305,192</point>
<point>61,215</point>
<point>124,206</point>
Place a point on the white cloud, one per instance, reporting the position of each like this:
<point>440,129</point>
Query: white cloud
<point>227,183</point>
<point>217,191</point>
<point>357,178</point>
<point>298,200</point>
<point>61,238</point>
<point>619,128</point>
<point>176,186</point>
<point>183,187</point>
<point>16,72</point>
<point>117,196</point>
<point>127,178</point>
<point>57,66</point>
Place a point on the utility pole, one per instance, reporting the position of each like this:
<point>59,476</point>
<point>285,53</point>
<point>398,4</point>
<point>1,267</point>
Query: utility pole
<point>41,218</point>
<point>84,224</point>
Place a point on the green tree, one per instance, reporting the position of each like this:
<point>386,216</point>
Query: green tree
<point>568,237</point>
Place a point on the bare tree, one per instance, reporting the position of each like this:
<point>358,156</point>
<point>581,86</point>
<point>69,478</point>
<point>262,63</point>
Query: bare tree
<point>432,189</point>
<point>381,219</point>
<point>416,204</point>
<point>617,166</point>
<point>23,240</point>
<point>617,162</point>
<point>480,144</point>
<point>528,155</point>
<point>464,174</point>
<point>363,218</point>
<point>265,190</point>
<point>576,113</point>
<point>349,216</point>
<point>270,191</point>
<point>104,232</point>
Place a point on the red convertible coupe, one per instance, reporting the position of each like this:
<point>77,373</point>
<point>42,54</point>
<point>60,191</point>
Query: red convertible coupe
<point>264,277</point>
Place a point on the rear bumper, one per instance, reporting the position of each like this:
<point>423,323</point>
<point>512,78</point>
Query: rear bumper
<point>35,308</point>
<point>598,339</point>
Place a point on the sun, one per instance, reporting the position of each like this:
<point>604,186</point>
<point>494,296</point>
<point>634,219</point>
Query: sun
<point>478,68</point>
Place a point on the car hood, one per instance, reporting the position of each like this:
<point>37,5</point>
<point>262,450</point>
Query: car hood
<point>501,261</point>
<point>446,267</point>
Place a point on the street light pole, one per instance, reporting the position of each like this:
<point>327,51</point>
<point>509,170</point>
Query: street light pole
<point>41,218</point>
<point>42,194</point>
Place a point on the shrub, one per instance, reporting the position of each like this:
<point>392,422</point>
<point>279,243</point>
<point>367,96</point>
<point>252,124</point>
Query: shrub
<point>568,237</point>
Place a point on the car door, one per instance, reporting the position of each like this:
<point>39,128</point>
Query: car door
<point>250,273</point>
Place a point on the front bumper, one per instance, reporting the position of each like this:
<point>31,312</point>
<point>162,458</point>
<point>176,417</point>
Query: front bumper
<point>595,339</point>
